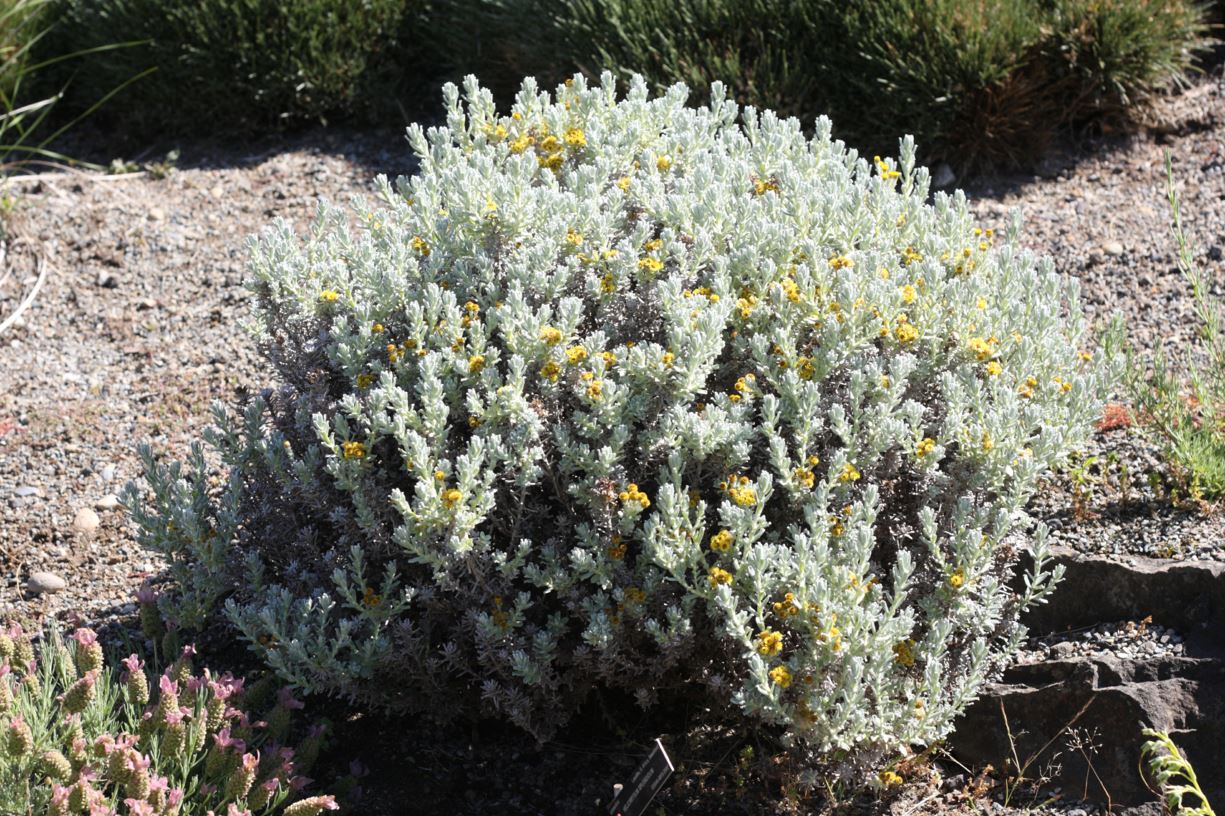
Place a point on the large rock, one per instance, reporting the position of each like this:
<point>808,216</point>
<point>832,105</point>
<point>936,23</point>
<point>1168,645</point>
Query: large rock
<point>1108,701</point>
<point>1104,697</point>
<point>1187,595</point>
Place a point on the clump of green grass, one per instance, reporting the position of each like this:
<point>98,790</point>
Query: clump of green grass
<point>1187,413</point>
<point>239,65</point>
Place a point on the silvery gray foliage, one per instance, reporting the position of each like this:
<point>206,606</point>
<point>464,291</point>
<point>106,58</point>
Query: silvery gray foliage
<point>630,394</point>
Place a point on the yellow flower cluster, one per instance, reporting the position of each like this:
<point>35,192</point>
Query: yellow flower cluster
<point>616,551</point>
<point>718,576</point>
<point>769,642</point>
<point>550,335</point>
<point>925,447</point>
<point>722,541</point>
<point>633,494</point>
<point>576,355</point>
<point>451,497</point>
<point>905,332</point>
<point>365,380</point>
<point>957,579</point>
<point>651,265</point>
<point>475,363</point>
<point>787,607</point>
<point>353,450</point>
<point>420,246</point>
<point>763,186</point>
<point>841,262</point>
<point>328,296</point>
<point>849,473</point>
<point>550,371</point>
<point>740,491</point>
<point>781,676</point>
<point>805,477</point>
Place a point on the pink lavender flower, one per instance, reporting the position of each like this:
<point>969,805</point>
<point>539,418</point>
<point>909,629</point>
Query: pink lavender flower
<point>235,810</point>
<point>89,650</point>
<point>139,807</point>
<point>58,806</point>
<point>18,738</point>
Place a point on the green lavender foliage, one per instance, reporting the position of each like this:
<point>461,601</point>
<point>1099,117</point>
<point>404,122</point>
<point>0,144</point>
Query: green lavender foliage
<point>78,734</point>
<point>635,395</point>
<point>1187,415</point>
<point>1175,778</point>
<point>978,82</point>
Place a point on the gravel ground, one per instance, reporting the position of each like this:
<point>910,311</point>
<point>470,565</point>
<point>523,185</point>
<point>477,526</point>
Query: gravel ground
<point>138,327</point>
<point>1127,639</point>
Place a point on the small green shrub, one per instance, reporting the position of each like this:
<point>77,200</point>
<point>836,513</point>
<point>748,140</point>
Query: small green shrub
<point>236,64</point>
<point>631,395</point>
<point>1188,418</point>
<point>76,735</point>
<point>976,81</point>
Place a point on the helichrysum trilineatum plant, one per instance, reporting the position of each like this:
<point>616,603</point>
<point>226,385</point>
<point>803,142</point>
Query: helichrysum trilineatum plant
<point>80,736</point>
<point>630,394</point>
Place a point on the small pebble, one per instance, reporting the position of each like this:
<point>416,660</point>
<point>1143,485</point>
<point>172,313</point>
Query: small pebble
<point>107,502</point>
<point>1113,248</point>
<point>86,522</point>
<point>45,583</point>
<point>27,490</point>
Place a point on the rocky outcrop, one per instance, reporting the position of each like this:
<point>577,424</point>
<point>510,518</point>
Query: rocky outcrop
<point>1057,708</point>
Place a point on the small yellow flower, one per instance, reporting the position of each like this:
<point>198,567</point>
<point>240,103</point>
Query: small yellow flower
<point>370,599</point>
<point>908,294</point>
<point>573,237</point>
<point>365,380</point>
<point>596,390</point>
<point>849,473</point>
<point>328,296</point>
<point>440,476</point>
<point>632,494</point>
<point>957,579</point>
<point>576,138</point>
<point>769,643</point>
<point>521,143</point>
<point>925,447</point>
<point>787,607</point>
<point>623,184</point>
<point>806,478</point>
<point>663,164</point>
<point>475,363</point>
<point>608,284</point>
<point>650,264</point>
<point>906,333</point>
<point>722,541</point>
<point>981,348</point>
<point>576,355</point>
<point>885,171</point>
<point>667,359</point>
<point>550,335</point>
<point>553,161</point>
<point>718,576</point>
<point>451,497</point>
<point>377,328</point>
<point>353,450</point>
<point>781,676</point>
<point>841,262</point>
<point>550,371</point>
<point>420,246</point>
<point>890,779</point>
<point>910,255</point>
<point>988,442</point>
<point>994,368</point>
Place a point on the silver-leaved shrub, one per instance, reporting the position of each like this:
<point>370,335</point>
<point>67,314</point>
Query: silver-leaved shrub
<point>628,394</point>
